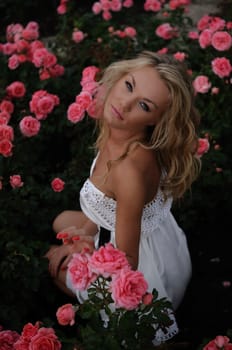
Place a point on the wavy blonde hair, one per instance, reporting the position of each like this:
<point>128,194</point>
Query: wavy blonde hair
<point>174,138</point>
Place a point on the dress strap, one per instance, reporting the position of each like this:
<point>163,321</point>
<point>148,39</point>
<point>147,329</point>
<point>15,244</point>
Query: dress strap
<point>93,164</point>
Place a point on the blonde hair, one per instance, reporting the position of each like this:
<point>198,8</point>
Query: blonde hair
<point>174,137</point>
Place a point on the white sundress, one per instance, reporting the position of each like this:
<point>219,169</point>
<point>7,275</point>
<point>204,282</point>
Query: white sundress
<point>163,252</point>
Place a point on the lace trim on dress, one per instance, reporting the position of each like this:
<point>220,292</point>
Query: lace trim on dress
<point>172,330</point>
<point>153,214</point>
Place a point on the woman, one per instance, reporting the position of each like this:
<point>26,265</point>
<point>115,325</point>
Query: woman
<point>145,160</point>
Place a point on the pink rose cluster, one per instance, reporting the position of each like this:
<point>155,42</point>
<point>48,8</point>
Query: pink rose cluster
<point>219,343</point>
<point>41,104</point>
<point>84,101</point>
<point>156,5</point>
<point>34,337</point>
<point>215,32</point>
<point>129,32</point>
<point>16,90</point>
<point>127,287</point>
<point>106,6</point>
<point>23,46</point>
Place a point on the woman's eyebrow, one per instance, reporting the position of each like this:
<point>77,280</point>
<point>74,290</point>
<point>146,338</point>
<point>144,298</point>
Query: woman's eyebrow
<point>146,99</point>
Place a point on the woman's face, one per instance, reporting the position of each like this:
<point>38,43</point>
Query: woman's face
<point>137,100</point>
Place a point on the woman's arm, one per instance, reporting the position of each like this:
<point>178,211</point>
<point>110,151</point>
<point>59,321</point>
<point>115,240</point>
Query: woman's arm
<point>130,192</point>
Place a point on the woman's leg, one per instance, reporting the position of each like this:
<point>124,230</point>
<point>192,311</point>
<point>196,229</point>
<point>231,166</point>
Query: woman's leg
<point>69,218</point>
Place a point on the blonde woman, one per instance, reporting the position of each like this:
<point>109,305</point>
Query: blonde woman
<point>145,160</point>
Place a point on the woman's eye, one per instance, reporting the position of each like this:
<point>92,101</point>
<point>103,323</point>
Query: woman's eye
<point>144,106</point>
<point>129,86</point>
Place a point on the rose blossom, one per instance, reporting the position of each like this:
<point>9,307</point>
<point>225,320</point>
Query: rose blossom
<point>205,38</point>
<point>45,339</point>
<point>130,31</point>
<point>220,342</point>
<point>147,298</point>
<point>29,330</point>
<point>6,148</point>
<point>201,84</point>
<point>221,41</point>
<point>66,315</point>
<point>203,146</point>
<point>79,271</point>
<point>29,126</point>
<point>77,36</point>
<point>75,112</point>
<point>6,132</point>
<point>16,89</point>
<point>84,99</point>
<point>16,181</point>
<point>4,117</point>
<point>57,184</point>
<point>221,66</point>
<point>166,31</point>
<point>128,288</point>
<point>7,106</point>
<point>7,339</point>
<point>108,260</point>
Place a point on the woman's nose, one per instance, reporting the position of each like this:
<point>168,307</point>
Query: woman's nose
<point>126,104</point>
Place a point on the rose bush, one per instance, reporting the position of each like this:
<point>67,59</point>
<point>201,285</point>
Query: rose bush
<point>48,81</point>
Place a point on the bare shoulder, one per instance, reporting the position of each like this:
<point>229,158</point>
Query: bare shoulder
<point>137,175</point>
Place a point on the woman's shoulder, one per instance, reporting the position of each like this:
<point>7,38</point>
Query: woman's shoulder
<point>139,169</point>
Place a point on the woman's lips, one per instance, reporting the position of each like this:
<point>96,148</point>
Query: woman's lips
<point>117,113</point>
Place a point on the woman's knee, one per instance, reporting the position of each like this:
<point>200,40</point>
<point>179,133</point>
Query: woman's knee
<point>68,218</point>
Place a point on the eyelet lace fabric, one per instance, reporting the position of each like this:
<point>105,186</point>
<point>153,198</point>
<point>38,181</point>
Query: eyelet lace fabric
<point>153,214</point>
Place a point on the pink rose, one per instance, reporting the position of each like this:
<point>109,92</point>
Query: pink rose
<point>45,339</point>
<point>130,31</point>
<point>128,288</point>
<point>147,298</point>
<point>221,66</point>
<point>80,273</point>
<point>7,106</point>
<point>78,36</point>
<point>29,330</point>
<point>75,112</point>
<point>57,184</point>
<point>166,31</point>
<point>4,117</point>
<point>221,41</point>
<point>203,146</point>
<point>179,56</point>
<point>205,38</point>
<point>16,181</point>
<point>16,89</point>
<point>89,74</point>
<point>6,132</point>
<point>84,99</point>
<point>13,62</point>
<point>220,342</point>
<point>66,315</point>
<point>108,260</point>
<point>6,148</point>
<point>7,339</point>
<point>29,126</point>
<point>201,84</point>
